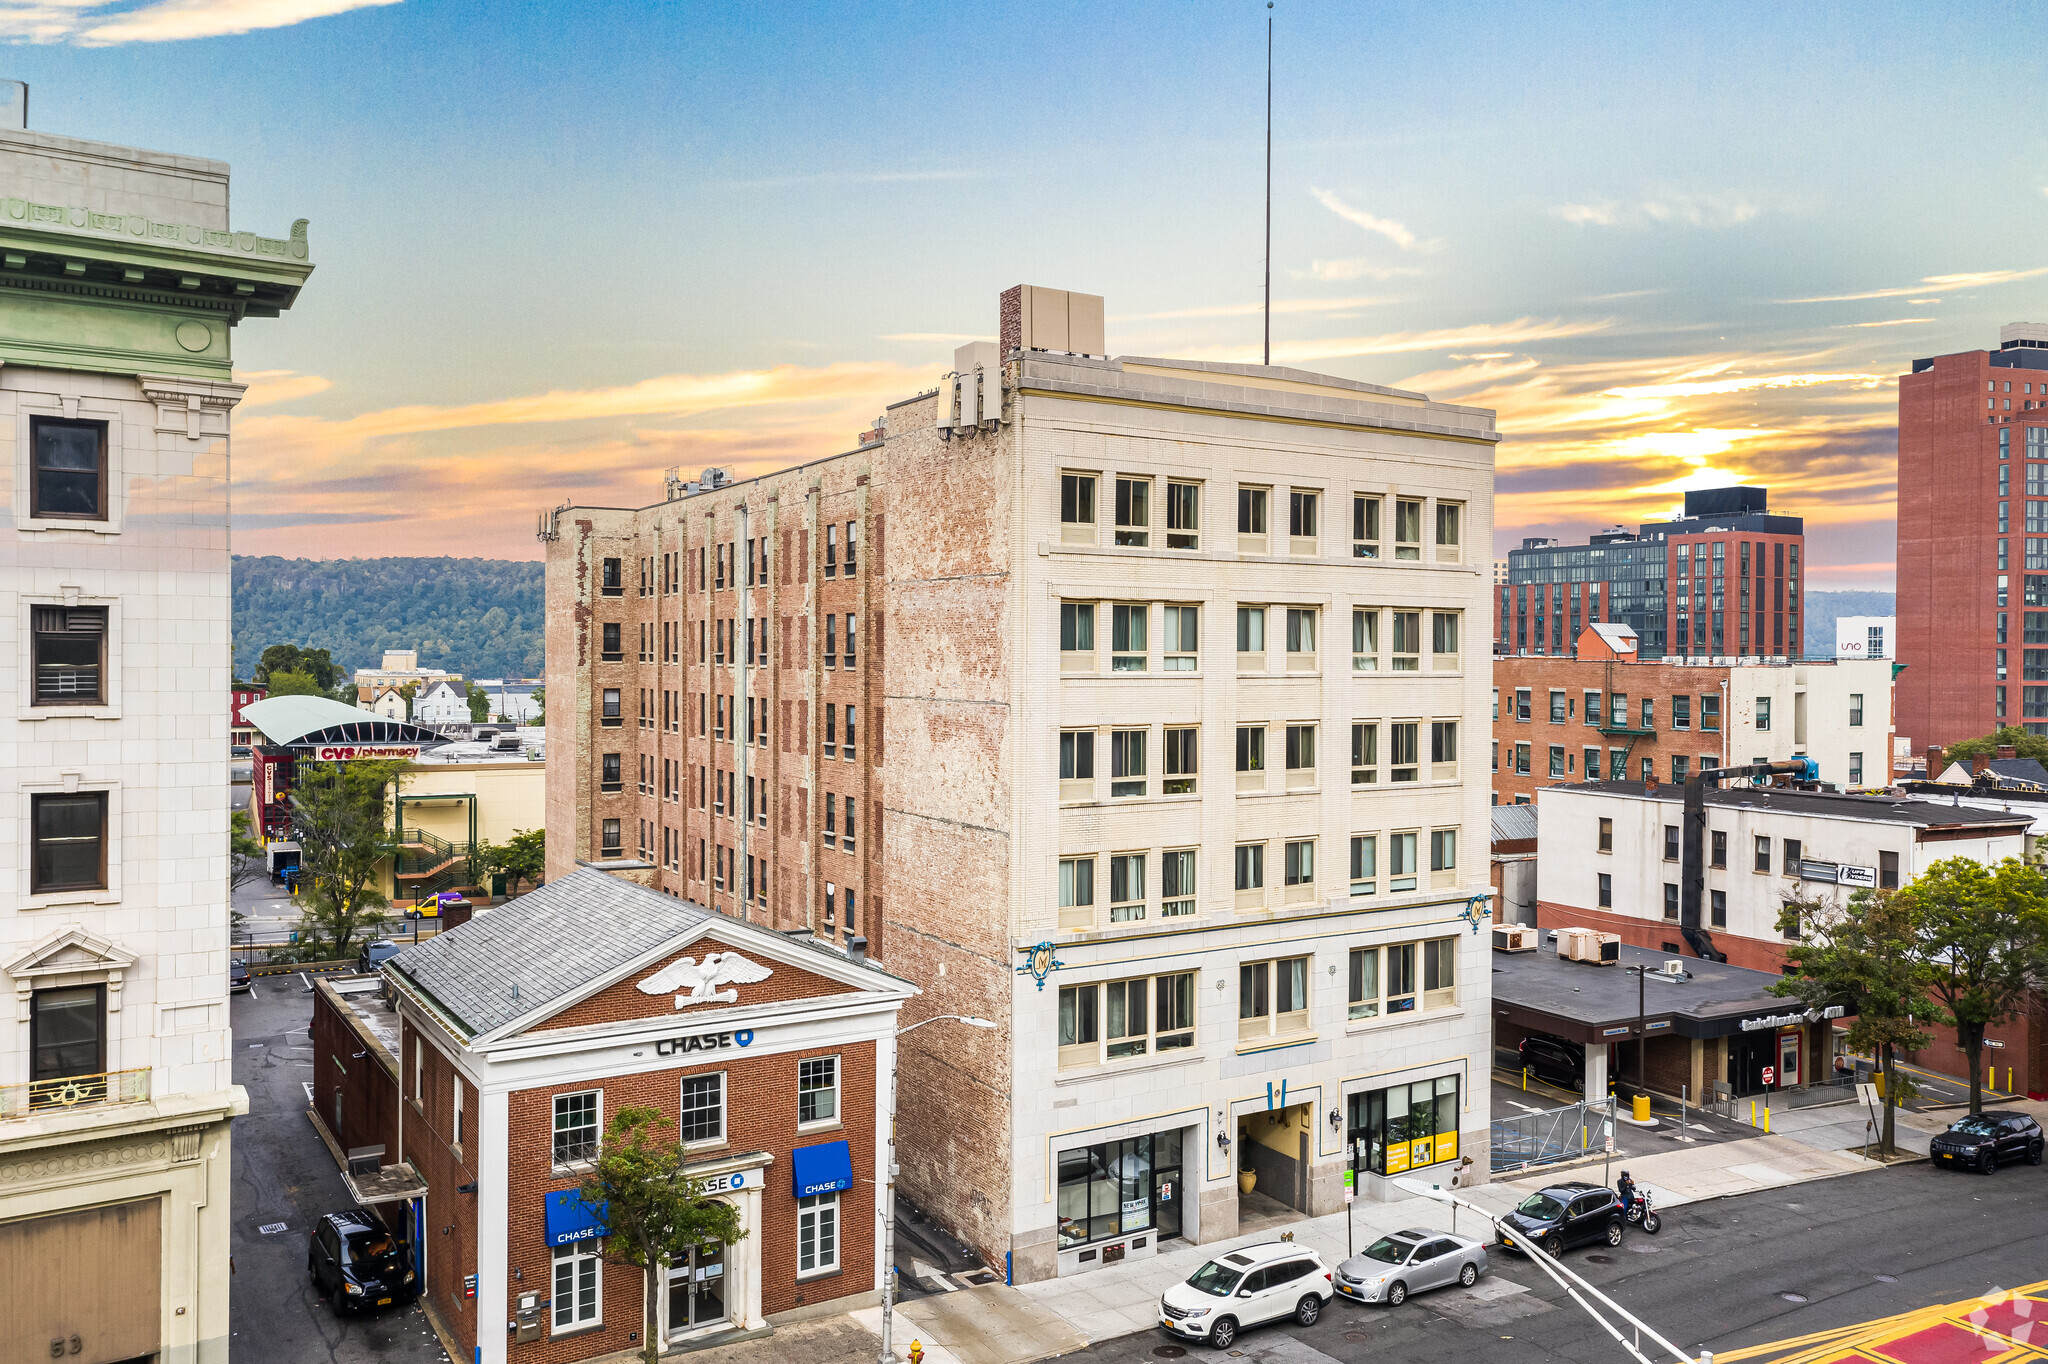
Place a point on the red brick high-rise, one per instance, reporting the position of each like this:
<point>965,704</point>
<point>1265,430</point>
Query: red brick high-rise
<point>1972,584</point>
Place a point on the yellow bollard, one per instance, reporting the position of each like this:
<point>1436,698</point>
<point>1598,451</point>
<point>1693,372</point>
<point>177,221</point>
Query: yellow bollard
<point>1642,1108</point>
<point>1752,1112</point>
<point>1525,1079</point>
<point>1767,1120</point>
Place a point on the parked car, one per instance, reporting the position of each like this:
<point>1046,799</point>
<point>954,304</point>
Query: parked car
<point>1565,1215</point>
<point>238,974</point>
<point>1554,1059</point>
<point>1249,1286</point>
<point>356,1262</point>
<point>375,953</point>
<point>1409,1262</point>
<point>1984,1141</point>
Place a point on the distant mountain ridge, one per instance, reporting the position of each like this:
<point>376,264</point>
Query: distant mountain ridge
<point>1823,608</point>
<point>477,617</point>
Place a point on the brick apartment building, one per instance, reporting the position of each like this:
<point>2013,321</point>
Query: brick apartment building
<point>1602,714</point>
<point>517,1037</point>
<point>1720,580</point>
<point>1973,541</point>
<point>1120,701</point>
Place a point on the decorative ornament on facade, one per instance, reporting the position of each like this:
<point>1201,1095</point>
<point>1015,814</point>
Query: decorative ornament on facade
<point>1478,910</point>
<point>1040,963</point>
<point>701,981</point>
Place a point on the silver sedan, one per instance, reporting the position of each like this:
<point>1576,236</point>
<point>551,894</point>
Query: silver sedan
<point>1410,1261</point>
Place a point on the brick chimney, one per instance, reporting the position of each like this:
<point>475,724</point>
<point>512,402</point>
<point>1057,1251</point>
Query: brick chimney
<point>1934,762</point>
<point>2008,751</point>
<point>1978,765</point>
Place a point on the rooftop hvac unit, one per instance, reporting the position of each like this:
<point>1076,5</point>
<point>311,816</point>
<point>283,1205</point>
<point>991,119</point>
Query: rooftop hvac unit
<point>1513,938</point>
<point>1674,966</point>
<point>1583,944</point>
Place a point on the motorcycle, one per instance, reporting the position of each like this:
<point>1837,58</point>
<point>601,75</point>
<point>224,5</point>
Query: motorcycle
<point>1640,1213</point>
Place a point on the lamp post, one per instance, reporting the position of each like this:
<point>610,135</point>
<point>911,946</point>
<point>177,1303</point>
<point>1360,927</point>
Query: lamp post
<point>889,1189</point>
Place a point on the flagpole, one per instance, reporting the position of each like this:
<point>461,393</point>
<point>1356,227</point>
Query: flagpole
<point>1269,185</point>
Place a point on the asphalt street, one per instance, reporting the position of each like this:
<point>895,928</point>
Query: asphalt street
<point>284,1174</point>
<point>1718,1277</point>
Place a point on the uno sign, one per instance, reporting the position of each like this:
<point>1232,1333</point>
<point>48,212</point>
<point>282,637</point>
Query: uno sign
<point>341,753</point>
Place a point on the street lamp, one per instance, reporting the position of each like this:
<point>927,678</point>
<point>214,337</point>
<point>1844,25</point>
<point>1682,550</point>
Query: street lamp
<point>889,1191</point>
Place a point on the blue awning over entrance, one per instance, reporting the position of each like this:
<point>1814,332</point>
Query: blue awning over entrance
<point>570,1219</point>
<point>821,1169</point>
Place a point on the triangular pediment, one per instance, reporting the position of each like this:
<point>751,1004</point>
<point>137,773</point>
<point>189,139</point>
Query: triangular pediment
<point>71,950</point>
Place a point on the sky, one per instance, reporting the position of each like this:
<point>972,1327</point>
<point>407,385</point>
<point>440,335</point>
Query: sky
<point>562,247</point>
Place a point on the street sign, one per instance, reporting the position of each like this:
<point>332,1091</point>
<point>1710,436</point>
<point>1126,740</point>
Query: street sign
<point>1770,1075</point>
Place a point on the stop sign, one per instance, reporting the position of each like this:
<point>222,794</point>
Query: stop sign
<point>1770,1075</point>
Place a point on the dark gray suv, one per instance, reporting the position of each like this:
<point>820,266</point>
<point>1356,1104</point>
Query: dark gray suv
<point>1984,1141</point>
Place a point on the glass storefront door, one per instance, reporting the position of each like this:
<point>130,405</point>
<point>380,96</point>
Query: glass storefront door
<point>1405,1127</point>
<point>696,1290</point>
<point>1117,1187</point>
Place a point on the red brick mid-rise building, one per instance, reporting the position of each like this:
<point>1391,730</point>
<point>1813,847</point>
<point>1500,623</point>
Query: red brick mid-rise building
<point>1973,541</point>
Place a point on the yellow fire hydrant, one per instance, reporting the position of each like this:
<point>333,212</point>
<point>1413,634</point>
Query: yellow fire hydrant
<point>916,1352</point>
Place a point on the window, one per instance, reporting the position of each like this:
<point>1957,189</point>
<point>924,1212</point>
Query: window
<point>1763,713</point>
<point>1406,1127</point>
<point>1649,713</point>
<point>1717,849</point>
<point>703,1107</point>
<point>1521,765</point>
<point>1077,892</point>
<point>70,837</point>
<point>1670,842</point>
<point>1365,642</point>
<point>1556,707</point>
<point>1127,638</point>
<point>1126,1018</point>
<point>1448,517</point>
<point>1250,880</point>
<point>70,644</point>
<point>1077,764</point>
<point>1272,998</point>
<point>1763,853</point>
<point>1183,638</point>
<point>817,1090</point>
<point>1443,750</point>
<point>1133,512</point>
<point>1251,520</point>
<point>1077,637</point>
<point>851,637</point>
<point>1710,714</point>
<point>1888,868</point>
<point>1855,710</point>
<point>1790,865</point>
<point>1681,712</point>
<point>1301,639</point>
<point>1680,764</point>
<point>1127,887</point>
<point>1606,843</point>
<point>1251,758</point>
<point>1183,516</point>
<point>1855,769</point>
<point>1589,763</point>
<point>1439,973</point>
<point>612,779</point>
<point>1299,862</point>
<point>575,1127</point>
<point>1443,855</point>
<point>850,733</point>
<point>852,822</point>
<point>1407,529</point>
<point>1251,639</point>
<point>1301,756</point>
<point>1670,902</point>
<point>577,1274</point>
<point>1180,763</point>
<point>1400,973</point>
<point>614,650</point>
<point>1365,527</point>
<point>817,1234</point>
<point>1408,642</point>
<point>1522,704</point>
<point>1718,908</point>
<point>1401,862</point>
<point>829,737</point>
<point>852,538</point>
<point>831,831</point>
<point>1365,754</point>
<point>1127,762</point>
<point>1443,641</point>
<point>1606,891</point>
<point>1365,982</point>
<point>1364,864</point>
<point>70,479</point>
<point>832,641</point>
<point>1301,522</point>
<point>1077,509</point>
<point>1403,739</point>
<point>67,1034</point>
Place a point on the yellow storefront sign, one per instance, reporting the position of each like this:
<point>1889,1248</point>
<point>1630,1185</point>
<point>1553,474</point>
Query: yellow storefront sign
<point>1397,1156</point>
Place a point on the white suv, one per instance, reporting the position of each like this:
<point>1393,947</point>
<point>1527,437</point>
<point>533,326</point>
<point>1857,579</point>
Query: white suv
<point>1244,1288</point>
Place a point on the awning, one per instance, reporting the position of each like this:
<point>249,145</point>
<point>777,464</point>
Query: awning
<point>821,1169</point>
<point>570,1219</point>
<point>391,1184</point>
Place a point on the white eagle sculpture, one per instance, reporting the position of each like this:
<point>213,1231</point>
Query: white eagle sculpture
<point>701,981</point>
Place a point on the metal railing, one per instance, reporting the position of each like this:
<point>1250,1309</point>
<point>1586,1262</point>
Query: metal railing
<point>74,1091</point>
<point>1534,1139</point>
<point>423,854</point>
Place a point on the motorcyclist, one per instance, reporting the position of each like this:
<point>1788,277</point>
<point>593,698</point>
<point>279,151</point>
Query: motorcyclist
<point>1626,1188</point>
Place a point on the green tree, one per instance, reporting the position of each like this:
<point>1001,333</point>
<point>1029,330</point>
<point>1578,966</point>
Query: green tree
<point>245,852</point>
<point>338,817</point>
<point>295,684</point>
<point>290,658</point>
<point>540,706</point>
<point>522,857</point>
<point>1860,956</point>
<point>653,1209</point>
<point>1982,940</point>
<point>2012,736</point>
<point>479,702</point>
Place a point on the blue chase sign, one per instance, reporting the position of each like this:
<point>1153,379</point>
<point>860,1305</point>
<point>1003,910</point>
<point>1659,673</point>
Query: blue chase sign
<point>570,1219</point>
<point>821,1169</point>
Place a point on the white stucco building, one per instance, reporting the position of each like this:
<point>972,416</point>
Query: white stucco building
<point>1865,636</point>
<point>122,283</point>
<point>444,702</point>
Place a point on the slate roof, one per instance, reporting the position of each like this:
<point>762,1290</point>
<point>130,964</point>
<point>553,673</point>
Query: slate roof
<point>2021,769</point>
<point>1513,823</point>
<point>551,941</point>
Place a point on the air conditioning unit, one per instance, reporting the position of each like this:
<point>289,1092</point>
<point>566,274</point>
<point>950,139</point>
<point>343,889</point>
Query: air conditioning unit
<point>1584,944</point>
<point>1674,967</point>
<point>1513,938</point>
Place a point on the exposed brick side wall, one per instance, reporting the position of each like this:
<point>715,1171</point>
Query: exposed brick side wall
<point>2024,1052</point>
<point>368,1092</point>
<point>625,1000</point>
<point>1575,677</point>
<point>451,1216</point>
<point>1659,935</point>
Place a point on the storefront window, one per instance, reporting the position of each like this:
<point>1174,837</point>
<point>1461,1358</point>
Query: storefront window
<point>1406,1126</point>
<point>1119,1187</point>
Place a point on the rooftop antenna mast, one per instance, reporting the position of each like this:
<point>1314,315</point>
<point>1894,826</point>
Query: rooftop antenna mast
<point>1269,184</point>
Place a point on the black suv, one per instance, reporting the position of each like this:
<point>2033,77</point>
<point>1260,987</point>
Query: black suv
<point>356,1261</point>
<point>1982,1141</point>
<point>1554,1059</point>
<point>1565,1215</point>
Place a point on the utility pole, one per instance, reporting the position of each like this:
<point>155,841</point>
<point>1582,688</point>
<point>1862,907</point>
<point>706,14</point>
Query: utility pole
<point>1269,185</point>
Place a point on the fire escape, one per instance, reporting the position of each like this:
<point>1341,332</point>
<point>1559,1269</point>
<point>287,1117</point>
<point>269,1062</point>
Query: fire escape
<point>1617,727</point>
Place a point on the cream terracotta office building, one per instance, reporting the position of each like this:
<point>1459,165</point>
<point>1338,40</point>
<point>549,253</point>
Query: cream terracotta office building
<point>119,285</point>
<point>1131,703</point>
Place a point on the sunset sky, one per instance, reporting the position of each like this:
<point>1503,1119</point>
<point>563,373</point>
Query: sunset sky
<point>561,247</point>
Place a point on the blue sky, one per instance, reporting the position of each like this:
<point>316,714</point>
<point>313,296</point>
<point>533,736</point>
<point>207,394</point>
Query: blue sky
<point>561,247</point>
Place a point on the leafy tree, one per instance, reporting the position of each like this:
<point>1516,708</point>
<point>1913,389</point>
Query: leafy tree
<point>2012,736</point>
<point>522,857</point>
<point>338,814</point>
<point>540,706</point>
<point>245,853</point>
<point>1982,939</point>
<point>295,684</point>
<point>654,1211</point>
<point>1861,957</point>
<point>479,702</point>
<point>290,658</point>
